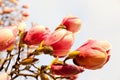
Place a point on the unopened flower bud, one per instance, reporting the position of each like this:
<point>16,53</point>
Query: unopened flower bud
<point>36,34</point>
<point>72,23</point>
<point>93,54</point>
<point>66,70</point>
<point>61,40</point>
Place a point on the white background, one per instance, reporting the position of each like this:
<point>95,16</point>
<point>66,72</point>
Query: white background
<point>100,20</point>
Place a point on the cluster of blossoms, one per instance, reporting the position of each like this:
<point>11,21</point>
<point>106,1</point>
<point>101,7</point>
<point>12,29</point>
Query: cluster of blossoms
<point>11,13</point>
<point>22,49</point>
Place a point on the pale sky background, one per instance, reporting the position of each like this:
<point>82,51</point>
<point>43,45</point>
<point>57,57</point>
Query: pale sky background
<point>100,20</point>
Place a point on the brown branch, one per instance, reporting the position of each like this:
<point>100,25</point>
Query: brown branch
<point>8,62</point>
<point>6,59</point>
<point>31,75</point>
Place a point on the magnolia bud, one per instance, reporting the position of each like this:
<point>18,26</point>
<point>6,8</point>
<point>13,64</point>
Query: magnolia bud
<point>65,70</point>
<point>93,54</point>
<point>61,40</point>
<point>36,34</point>
<point>72,23</point>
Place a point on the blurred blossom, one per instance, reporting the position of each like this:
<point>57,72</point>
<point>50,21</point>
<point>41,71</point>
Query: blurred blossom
<point>66,70</point>
<point>25,14</point>
<point>93,54</point>
<point>14,1</point>
<point>25,6</point>
<point>8,10</point>
<point>11,14</point>
<point>72,23</point>
<point>36,34</point>
<point>61,40</point>
<point>7,37</point>
<point>4,76</point>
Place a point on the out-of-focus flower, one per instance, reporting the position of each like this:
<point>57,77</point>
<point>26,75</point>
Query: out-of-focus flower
<point>7,37</point>
<point>66,70</point>
<point>25,14</point>
<point>1,22</point>
<point>4,76</point>
<point>36,34</point>
<point>61,40</point>
<point>93,54</point>
<point>13,1</point>
<point>25,6</point>
<point>8,10</point>
<point>72,23</point>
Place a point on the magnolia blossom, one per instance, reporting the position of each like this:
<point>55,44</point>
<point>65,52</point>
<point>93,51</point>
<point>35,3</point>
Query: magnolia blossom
<point>7,37</point>
<point>36,34</point>
<point>4,76</point>
<point>61,40</point>
<point>66,70</point>
<point>72,23</point>
<point>93,54</point>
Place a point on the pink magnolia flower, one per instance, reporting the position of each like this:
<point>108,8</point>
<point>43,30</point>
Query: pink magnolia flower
<point>61,40</point>
<point>66,70</point>
<point>4,76</point>
<point>93,54</point>
<point>7,37</point>
<point>36,34</point>
<point>72,23</point>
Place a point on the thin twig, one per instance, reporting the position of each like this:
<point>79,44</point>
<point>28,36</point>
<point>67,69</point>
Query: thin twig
<point>4,62</point>
<point>14,77</point>
<point>8,62</point>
